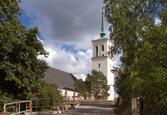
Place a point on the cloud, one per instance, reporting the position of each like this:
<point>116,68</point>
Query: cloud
<point>73,22</point>
<point>77,63</point>
<point>80,76</point>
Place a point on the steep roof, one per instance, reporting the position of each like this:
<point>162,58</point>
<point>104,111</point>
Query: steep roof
<point>59,78</point>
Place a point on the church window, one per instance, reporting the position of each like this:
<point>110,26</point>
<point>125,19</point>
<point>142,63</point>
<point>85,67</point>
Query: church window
<point>99,65</point>
<point>102,47</point>
<point>96,51</point>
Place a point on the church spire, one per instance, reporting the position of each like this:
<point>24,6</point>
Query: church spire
<point>102,34</point>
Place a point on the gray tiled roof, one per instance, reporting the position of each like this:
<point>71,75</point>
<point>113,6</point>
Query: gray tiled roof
<point>59,78</point>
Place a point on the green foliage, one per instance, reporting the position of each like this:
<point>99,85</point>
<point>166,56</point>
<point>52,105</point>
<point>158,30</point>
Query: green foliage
<point>48,98</point>
<point>80,87</point>
<point>97,85</point>
<point>150,71</point>
<point>123,84</point>
<point>20,69</point>
<point>3,99</point>
<point>143,46</point>
<point>53,93</point>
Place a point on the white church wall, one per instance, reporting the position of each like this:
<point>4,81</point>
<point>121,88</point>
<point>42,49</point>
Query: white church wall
<point>110,79</point>
<point>68,94</point>
<point>103,65</point>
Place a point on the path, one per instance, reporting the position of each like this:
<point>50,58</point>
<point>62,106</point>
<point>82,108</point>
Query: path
<point>91,110</point>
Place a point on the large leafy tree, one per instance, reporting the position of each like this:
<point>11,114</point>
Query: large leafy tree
<point>127,18</point>
<point>80,87</point>
<point>149,72</point>
<point>20,69</point>
<point>97,85</point>
<point>143,46</point>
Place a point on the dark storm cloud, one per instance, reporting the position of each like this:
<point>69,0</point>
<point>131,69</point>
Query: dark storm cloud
<point>66,20</point>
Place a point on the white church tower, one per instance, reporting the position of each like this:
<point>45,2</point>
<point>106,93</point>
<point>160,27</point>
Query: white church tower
<point>101,60</point>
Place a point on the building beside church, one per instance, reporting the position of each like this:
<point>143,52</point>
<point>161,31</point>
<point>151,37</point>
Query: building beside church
<point>101,60</point>
<point>64,81</point>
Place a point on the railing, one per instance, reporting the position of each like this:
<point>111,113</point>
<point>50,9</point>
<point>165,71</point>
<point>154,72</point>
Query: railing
<point>18,107</point>
<point>40,105</point>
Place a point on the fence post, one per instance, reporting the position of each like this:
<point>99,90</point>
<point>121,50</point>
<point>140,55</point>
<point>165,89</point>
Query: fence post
<point>19,108</point>
<point>4,110</point>
<point>135,106</point>
<point>31,107</point>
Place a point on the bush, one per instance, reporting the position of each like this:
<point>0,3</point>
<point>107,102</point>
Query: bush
<point>49,98</point>
<point>4,99</point>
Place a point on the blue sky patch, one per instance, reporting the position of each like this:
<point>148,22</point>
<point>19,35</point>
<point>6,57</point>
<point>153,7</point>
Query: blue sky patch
<point>27,20</point>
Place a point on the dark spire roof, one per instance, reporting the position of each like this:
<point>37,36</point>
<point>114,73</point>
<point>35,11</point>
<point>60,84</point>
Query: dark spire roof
<point>102,34</point>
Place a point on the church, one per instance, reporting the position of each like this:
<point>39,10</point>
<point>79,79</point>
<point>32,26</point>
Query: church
<point>101,60</point>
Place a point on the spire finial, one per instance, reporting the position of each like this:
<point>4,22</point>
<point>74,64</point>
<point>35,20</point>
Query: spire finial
<point>102,34</point>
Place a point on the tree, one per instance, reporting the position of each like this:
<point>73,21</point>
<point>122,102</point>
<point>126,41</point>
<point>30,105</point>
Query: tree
<point>54,94</point>
<point>149,71</point>
<point>81,87</point>
<point>97,85</point>
<point>143,46</point>
<point>20,69</point>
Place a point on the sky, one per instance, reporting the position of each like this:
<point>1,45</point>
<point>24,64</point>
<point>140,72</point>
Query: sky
<point>66,30</point>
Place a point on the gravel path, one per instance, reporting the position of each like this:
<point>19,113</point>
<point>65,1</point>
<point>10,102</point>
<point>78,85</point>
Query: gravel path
<point>91,110</point>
